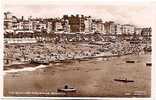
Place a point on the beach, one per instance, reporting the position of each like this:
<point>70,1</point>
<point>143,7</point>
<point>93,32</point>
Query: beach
<point>93,77</point>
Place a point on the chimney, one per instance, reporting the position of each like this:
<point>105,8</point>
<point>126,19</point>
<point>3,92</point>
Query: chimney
<point>22,18</point>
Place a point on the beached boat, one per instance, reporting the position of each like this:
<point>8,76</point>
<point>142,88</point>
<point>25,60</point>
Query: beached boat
<point>39,62</point>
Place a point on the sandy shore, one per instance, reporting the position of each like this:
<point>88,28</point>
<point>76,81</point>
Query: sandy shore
<point>90,78</point>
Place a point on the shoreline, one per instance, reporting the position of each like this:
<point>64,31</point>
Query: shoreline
<point>29,65</point>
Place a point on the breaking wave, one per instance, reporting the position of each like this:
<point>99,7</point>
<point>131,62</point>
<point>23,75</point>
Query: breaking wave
<point>24,69</point>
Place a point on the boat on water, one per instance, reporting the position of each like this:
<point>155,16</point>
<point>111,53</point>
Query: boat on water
<point>130,61</point>
<point>148,64</point>
<point>124,80</point>
<point>66,89</point>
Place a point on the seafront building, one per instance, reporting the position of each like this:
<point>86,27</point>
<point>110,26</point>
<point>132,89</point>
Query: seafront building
<point>109,27</point>
<point>88,24</point>
<point>118,29</point>
<point>128,29</point>
<point>10,22</point>
<point>18,27</point>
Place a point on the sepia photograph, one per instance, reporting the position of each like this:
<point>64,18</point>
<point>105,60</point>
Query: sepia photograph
<point>63,49</point>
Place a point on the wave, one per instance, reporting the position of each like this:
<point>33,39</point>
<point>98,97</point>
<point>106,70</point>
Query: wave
<point>24,69</point>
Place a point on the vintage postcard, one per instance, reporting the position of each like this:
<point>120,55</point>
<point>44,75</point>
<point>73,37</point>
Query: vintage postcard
<point>77,49</point>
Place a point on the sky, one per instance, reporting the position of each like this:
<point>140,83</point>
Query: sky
<point>140,14</point>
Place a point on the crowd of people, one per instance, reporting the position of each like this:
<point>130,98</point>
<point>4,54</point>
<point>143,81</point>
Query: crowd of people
<point>47,52</point>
